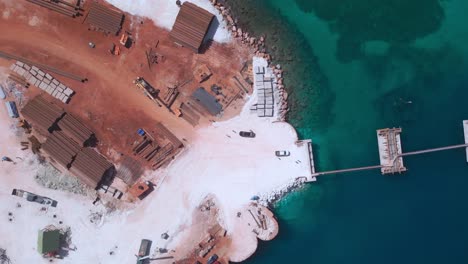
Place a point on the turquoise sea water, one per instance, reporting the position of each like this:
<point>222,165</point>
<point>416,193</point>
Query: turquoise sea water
<point>353,66</point>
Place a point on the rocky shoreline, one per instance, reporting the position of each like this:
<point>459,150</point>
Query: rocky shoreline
<point>259,49</point>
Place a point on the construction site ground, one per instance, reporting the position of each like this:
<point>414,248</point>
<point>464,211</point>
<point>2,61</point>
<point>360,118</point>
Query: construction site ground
<point>109,102</point>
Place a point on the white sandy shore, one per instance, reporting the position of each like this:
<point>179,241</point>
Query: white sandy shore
<point>164,12</point>
<point>218,161</point>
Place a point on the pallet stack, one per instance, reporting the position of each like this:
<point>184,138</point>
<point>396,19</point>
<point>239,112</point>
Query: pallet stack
<point>43,81</point>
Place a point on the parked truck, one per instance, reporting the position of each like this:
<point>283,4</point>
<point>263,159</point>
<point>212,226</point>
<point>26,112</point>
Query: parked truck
<point>31,197</point>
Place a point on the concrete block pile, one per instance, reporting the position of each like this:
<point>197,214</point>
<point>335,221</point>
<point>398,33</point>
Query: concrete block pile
<point>43,81</point>
<point>264,85</point>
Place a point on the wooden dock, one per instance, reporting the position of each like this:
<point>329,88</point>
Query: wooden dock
<point>389,143</point>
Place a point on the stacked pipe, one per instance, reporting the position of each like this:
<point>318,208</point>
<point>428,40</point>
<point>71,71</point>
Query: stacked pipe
<point>55,7</point>
<point>18,79</point>
<point>42,66</point>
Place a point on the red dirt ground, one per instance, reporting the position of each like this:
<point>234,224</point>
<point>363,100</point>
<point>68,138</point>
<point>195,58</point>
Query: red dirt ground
<point>109,103</point>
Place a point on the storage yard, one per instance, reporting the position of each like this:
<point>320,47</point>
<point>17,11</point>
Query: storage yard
<point>111,100</point>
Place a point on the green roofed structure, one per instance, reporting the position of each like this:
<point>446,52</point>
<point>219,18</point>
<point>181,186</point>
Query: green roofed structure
<point>48,241</point>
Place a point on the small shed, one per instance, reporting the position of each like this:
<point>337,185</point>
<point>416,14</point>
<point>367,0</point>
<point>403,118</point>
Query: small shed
<point>48,241</point>
<point>191,26</point>
<point>207,101</point>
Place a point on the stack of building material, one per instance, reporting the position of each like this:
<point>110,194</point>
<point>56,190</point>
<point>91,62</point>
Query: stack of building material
<point>75,129</point>
<point>44,81</point>
<point>19,80</point>
<point>59,6</point>
<point>60,149</point>
<point>264,86</point>
<point>161,129</point>
<point>191,25</point>
<point>90,167</point>
<point>130,170</point>
<point>105,18</point>
<point>42,114</point>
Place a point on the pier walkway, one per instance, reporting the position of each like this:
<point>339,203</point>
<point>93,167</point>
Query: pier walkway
<point>390,153</point>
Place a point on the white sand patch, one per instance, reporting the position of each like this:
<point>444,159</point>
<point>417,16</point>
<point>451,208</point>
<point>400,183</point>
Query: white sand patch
<point>34,21</point>
<point>218,161</point>
<point>164,12</point>
<point>6,14</point>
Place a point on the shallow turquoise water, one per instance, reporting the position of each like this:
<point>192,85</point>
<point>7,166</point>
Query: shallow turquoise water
<point>353,67</point>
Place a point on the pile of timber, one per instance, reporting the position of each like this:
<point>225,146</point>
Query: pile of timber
<point>42,66</point>
<point>58,6</point>
<point>104,18</point>
<point>168,135</point>
<point>75,129</point>
<point>19,80</point>
<point>42,114</point>
<point>60,148</point>
<point>147,149</point>
<point>162,156</point>
<point>90,167</point>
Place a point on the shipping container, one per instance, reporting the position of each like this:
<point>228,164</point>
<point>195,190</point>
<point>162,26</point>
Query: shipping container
<point>12,110</point>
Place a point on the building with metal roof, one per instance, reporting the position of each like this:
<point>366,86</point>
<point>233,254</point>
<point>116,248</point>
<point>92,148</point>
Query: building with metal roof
<point>191,26</point>
<point>48,241</point>
<point>207,101</point>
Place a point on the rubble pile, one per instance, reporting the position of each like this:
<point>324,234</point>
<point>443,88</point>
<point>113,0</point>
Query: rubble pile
<point>51,178</point>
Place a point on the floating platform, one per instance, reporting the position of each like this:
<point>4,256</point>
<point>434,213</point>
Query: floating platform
<point>390,150</point>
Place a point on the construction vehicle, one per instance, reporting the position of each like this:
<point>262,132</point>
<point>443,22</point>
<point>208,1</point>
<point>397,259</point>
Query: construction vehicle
<point>144,251</point>
<point>124,40</point>
<point>147,88</point>
<point>114,50</point>
<point>31,197</point>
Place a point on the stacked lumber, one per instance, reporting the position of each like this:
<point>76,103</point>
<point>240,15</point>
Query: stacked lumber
<point>104,18</point>
<point>75,129</point>
<point>65,9</point>
<point>90,167</point>
<point>60,148</point>
<point>42,114</point>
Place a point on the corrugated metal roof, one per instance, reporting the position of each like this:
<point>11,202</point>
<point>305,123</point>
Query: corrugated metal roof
<point>191,25</point>
<point>75,129</point>
<point>207,100</point>
<point>48,241</point>
<point>41,113</point>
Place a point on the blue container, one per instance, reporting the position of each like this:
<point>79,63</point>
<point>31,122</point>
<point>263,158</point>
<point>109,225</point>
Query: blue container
<point>141,132</point>
<point>12,110</point>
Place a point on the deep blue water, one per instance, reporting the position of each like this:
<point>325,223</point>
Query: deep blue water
<point>352,67</point>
